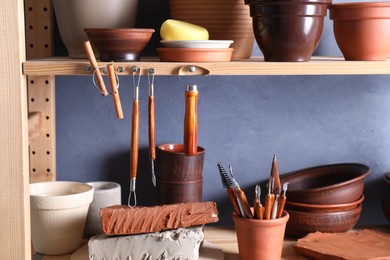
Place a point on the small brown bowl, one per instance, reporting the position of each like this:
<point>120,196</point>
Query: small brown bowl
<point>122,44</point>
<point>362,29</point>
<point>327,184</point>
<point>323,208</point>
<point>301,223</point>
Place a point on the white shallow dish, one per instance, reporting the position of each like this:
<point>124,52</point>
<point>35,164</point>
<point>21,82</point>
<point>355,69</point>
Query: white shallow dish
<point>217,44</point>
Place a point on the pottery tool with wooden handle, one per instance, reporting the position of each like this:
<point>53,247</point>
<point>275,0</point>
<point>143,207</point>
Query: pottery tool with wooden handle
<point>242,201</point>
<point>151,123</point>
<point>269,199</point>
<point>115,91</point>
<point>276,203</point>
<point>191,120</point>
<point>282,200</point>
<point>228,185</point>
<point>258,208</point>
<point>275,173</point>
<point>95,66</point>
<point>134,139</point>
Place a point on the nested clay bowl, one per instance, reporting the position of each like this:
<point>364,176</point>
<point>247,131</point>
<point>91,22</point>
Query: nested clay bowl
<point>122,44</point>
<point>291,205</point>
<point>386,197</point>
<point>288,30</point>
<point>362,29</point>
<point>327,184</point>
<point>301,223</point>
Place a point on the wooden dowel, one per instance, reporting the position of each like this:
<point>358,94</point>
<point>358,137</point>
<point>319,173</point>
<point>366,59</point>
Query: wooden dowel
<point>115,91</point>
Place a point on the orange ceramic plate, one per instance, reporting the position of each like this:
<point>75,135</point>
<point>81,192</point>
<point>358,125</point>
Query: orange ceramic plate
<point>195,54</point>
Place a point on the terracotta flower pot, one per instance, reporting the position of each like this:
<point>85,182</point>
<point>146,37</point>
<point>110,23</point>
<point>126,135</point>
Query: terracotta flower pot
<point>288,30</point>
<point>362,29</point>
<point>260,239</point>
<point>224,20</point>
<point>73,16</point>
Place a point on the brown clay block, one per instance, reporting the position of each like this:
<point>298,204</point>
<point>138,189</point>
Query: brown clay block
<point>124,220</point>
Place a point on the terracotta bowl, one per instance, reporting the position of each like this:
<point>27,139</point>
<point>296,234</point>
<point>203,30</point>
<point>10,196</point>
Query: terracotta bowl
<point>195,54</point>
<point>323,208</point>
<point>362,29</point>
<point>301,223</point>
<point>386,197</point>
<point>327,184</point>
<point>124,44</point>
<point>288,30</point>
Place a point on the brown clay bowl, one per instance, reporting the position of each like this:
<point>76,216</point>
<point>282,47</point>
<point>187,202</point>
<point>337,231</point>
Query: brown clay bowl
<point>122,44</point>
<point>288,30</point>
<point>386,197</point>
<point>301,223</point>
<point>362,29</point>
<point>323,208</point>
<point>327,184</point>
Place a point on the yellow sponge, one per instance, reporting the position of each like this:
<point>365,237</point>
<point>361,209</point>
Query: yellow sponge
<point>175,30</point>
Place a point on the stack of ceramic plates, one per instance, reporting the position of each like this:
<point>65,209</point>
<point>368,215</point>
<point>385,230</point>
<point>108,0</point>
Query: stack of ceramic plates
<point>195,50</point>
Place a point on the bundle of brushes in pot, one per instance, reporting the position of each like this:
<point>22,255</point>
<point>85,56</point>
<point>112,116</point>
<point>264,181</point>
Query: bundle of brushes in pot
<point>274,200</point>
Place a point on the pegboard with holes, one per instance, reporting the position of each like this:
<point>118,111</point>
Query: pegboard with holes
<point>39,44</point>
<point>41,97</point>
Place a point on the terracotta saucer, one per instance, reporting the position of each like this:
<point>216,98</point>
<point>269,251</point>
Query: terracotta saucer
<point>195,54</point>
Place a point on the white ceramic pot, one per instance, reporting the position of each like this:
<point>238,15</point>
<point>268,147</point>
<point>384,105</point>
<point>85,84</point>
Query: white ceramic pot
<point>73,16</point>
<point>105,194</point>
<point>58,214</point>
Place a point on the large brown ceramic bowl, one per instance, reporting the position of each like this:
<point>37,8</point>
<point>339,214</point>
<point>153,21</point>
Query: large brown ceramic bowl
<point>327,184</point>
<point>362,29</point>
<point>288,30</point>
<point>291,205</point>
<point>386,198</point>
<point>123,44</point>
<point>301,223</point>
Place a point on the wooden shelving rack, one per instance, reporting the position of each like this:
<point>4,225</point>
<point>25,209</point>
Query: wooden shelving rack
<point>27,101</point>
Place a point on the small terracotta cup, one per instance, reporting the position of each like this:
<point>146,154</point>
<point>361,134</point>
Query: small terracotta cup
<point>260,239</point>
<point>179,177</point>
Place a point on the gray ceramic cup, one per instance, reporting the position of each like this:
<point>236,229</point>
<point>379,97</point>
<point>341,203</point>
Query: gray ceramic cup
<point>106,194</point>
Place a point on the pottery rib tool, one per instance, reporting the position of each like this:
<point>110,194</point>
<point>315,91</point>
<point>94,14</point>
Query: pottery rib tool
<point>282,200</point>
<point>151,121</point>
<point>191,120</point>
<point>115,91</point>
<point>95,66</point>
<point>275,173</point>
<point>269,199</point>
<point>228,186</point>
<point>241,198</point>
<point>258,208</point>
<point>134,138</point>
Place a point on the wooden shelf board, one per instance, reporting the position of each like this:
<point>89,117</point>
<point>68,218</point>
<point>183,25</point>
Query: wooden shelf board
<point>253,66</point>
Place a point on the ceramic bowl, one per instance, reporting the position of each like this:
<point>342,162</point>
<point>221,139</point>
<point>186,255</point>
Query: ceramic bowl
<point>362,29</point>
<point>123,44</point>
<point>197,44</point>
<point>301,223</point>
<point>58,213</point>
<point>288,30</point>
<point>327,184</point>
<point>195,54</point>
<point>322,207</point>
<point>386,197</point>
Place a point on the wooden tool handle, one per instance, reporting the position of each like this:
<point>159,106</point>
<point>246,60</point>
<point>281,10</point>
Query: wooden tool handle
<point>258,209</point>
<point>245,204</point>
<point>233,200</point>
<point>191,123</point>
<point>115,91</point>
<point>268,203</point>
<point>152,136</point>
<point>282,201</point>
<point>94,65</point>
<point>134,139</point>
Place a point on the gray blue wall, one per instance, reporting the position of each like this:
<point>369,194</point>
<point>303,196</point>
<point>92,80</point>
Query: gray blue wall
<point>306,120</point>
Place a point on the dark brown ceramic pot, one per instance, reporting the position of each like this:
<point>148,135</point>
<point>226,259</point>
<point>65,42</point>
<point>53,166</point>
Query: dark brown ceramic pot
<point>288,30</point>
<point>362,29</point>
<point>386,197</point>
